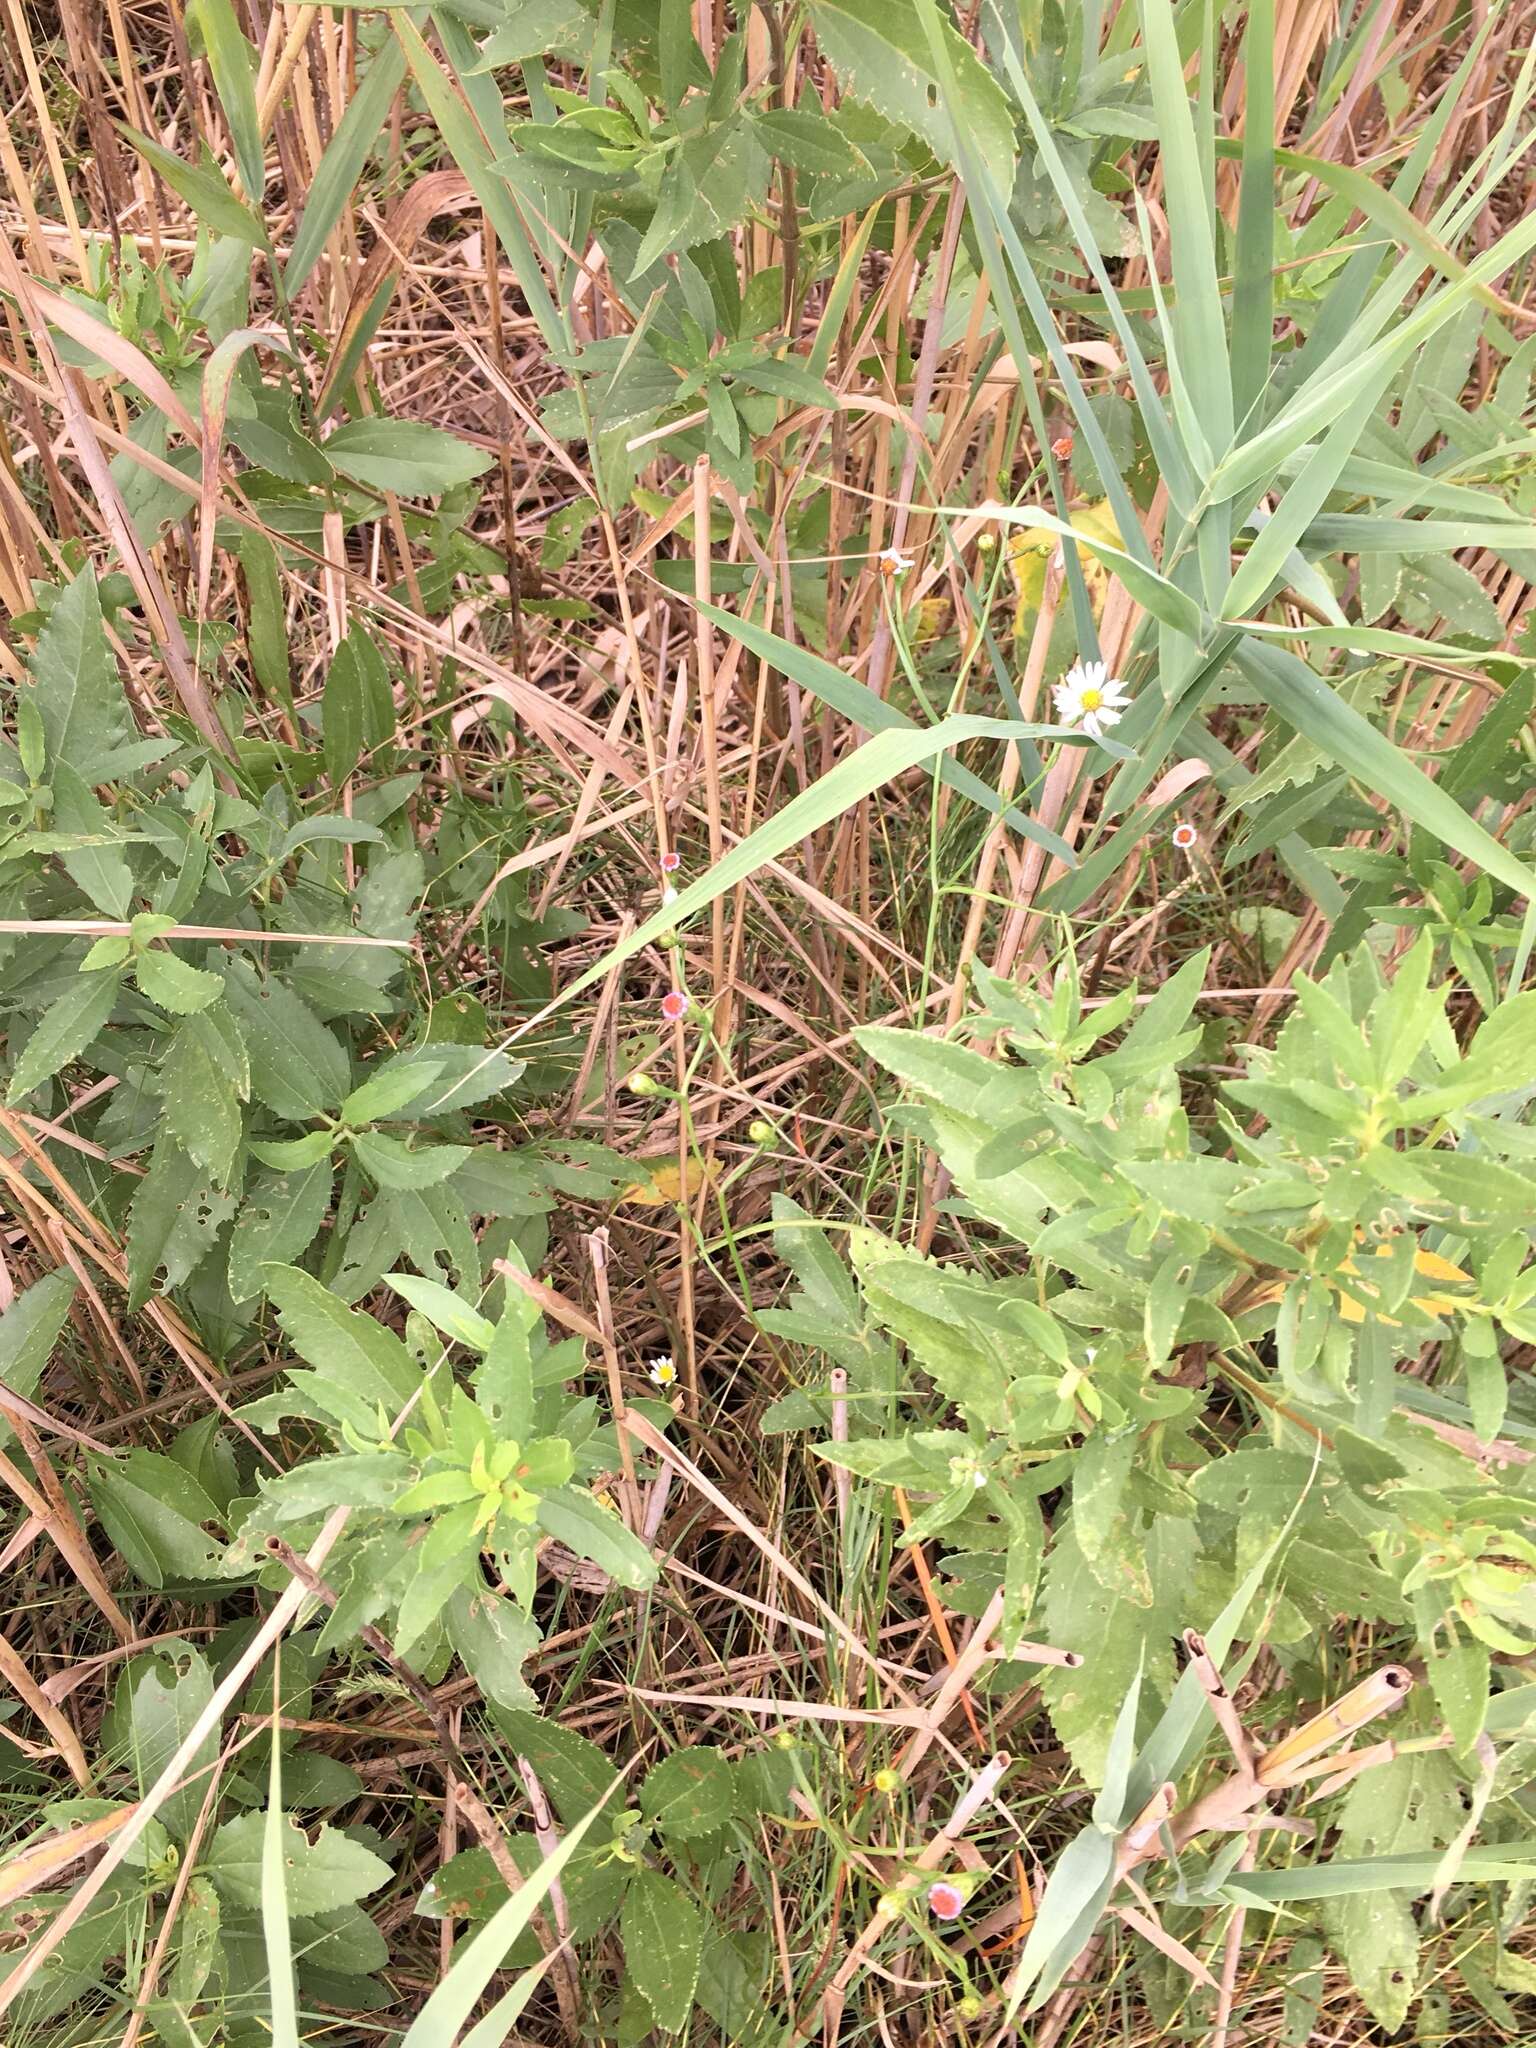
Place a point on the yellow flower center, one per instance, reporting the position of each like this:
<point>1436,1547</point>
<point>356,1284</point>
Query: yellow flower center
<point>1092,699</point>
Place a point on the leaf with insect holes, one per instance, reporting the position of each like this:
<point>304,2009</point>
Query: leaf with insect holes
<point>1114,1636</point>
<point>153,1511</point>
<point>160,1698</point>
<point>203,1077</point>
<point>64,1030</point>
<point>279,1219</point>
<point>174,1218</point>
<point>663,1936</point>
<point>76,687</point>
<point>318,1876</point>
<point>492,1637</point>
<point>1410,1803</point>
<point>692,1792</point>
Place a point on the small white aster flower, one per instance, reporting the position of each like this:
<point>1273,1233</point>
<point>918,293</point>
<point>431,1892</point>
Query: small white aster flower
<point>1185,837</point>
<point>894,563</point>
<point>1089,696</point>
<point>662,1371</point>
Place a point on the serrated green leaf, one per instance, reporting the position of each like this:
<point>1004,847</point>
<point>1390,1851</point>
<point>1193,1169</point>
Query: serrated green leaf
<point>75,684</point>
<point>29,1329</point>
<point>663,1940</point>
<point>159,1701</point>
<point>341,1341</point>
<point>204,1077</point>
<point>64,1030</point>
<point>174,984</point>
<point>692,1792</point>
<point>174,1219</point>
<point>319,1875</point>
<point>404,456</point>
<point>391,1163</point>
<point>278,1220</point>
<point>298,1069</point>
<point>576,1519</point>
<point>153,1511</point>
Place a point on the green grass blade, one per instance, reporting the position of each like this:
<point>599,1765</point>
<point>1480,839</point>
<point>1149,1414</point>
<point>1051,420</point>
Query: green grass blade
<point>438,2023</point>
<point>342,165</point>
<point>276,1932</point>
<point>1198,317</point>
<point>856,702</point>
<point>1305,701</point>
<point>469,151</point>
<point>230,60</point>
<point>1253,283</point>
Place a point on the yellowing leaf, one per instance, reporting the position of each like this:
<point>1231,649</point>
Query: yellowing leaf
<point>1029,552</point>
<point>663,1186</point>
<point>1432,1266</point>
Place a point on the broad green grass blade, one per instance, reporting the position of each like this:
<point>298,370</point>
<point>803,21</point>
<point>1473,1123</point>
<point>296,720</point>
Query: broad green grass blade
<point>342,165</point>
<point>1485,1863</point>
<point>468,150</point>
<point>230,60</point>
<point>1253,283</point>
<point>869,768</point>
<point>438,2023</point>
<point>1306,702</point>
<point>1198,317</point>
<point>856,702</point>
<point>1321,402</point>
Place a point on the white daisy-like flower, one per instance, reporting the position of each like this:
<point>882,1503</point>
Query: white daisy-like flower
<point>668,895</point>
<point>662,1371</point>
<point>1089,696</point>
<point>894,563</point>
<point>1185,837</point>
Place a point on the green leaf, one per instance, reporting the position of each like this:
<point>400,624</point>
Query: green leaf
<point>492,1637</point>
<point>404,456</point>
<point>278,1220</point>
<point>29,1329</point>
<point>298,1069</point>
<point>1460,1677</point>
<point>75,684</point>
<point>663,1940</point>
<point>1410,1803</point>
<point>319,1875</point>
<point>64,1030</point>
<point>203,187</point>
<point>1305,701</point>
<point>879,50</point>
<point>294,1155</point>
<point>102,871</point>
<point>201,1084</point>
<point>173,984</point>
<point>342,165</point>
<point>175,1216</point>
<point>692,1792</point>
<point>1115,1637</point>
<point>393,1164</point>
<point>342,1342</point>
<point>161,1698</point>
<point>153,1512</point>
<point>575,1519</point>
<point>573,1771</point>
<point>456,1318</point>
